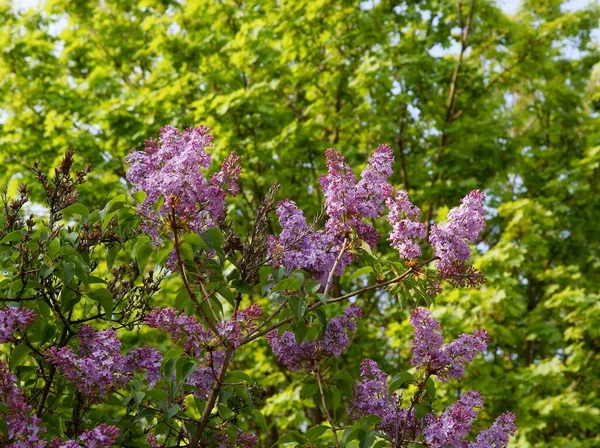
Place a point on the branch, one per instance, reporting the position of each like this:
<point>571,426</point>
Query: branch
<point>318,304</point>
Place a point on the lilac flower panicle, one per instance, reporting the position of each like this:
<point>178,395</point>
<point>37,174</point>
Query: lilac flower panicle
<point>13,319</point>
<point>373,188</point>
<point>450,240</point>
<point>334,342</point>
<point>300,247</point>
<point>406,228</point>
<point>498,435</point>
<point>23,429</point>
<point>103,436</point>
<point>430,353</point>
<point>99,367</point>
<point>172,166</point>
<point>450,428</point>
<point>145,358</point>
<point>428,340</point>
<point>202,344</point>
<point>371,397</point>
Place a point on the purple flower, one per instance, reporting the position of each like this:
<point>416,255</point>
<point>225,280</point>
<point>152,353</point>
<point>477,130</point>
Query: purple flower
<point>308,354</point>
<point>145,358</point>
<point>13,319</point>
<point>172,167</point>
<point>371,397</point>
<point>450,428</point>
<point>103,436</point>
<point>450,240</point>
<point>99,367</point>
<point>430,353</point>
<point>300,247</point>
<point>373,187</point>
<point>23,429</point>
<point>498,435</point>
<point>406,228</point>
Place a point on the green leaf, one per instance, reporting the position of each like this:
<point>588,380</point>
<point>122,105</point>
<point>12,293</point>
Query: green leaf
<point>105,298</point>
<point>298,306</point>
<point>75,209</point>
<point>288,284</point>
<point>18,354</point>
<point>259,419</point>
<point>315,432</point>
<point>16,235</point>
<point>293,436</point>
<point>400,379</point>
<point>359,273</point>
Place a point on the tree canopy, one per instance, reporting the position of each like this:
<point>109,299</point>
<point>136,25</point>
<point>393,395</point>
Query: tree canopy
<point>466,96</point>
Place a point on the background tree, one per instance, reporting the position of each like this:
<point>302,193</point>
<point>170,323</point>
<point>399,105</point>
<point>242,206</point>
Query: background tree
<point>467,97</point>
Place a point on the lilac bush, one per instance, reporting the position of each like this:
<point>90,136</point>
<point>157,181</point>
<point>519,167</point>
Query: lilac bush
<point>90,281</point>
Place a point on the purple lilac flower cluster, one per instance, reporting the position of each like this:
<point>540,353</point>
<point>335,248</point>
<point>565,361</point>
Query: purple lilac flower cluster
<point>372,397</point>
<point>243,440</point>
<point>204,345</point>
<point>406,228</point>
<point>13,319</point>
<point>430,353</point>
<point>347,203</point>
<point>23,429</point>
<point>334,341</point>
<point>172,166</point>
<point>103,436</point>
<point>450,241</point>
<point>99,367</point>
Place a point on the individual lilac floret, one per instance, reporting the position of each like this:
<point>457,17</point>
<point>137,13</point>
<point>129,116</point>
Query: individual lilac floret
<point>371,397</point>
<point>99,367</point>
<point>172,167</point>
<point>498,435</point>
<point>450,428</point>
<point>406,228</point>
<point>445,361</point>
<point>23,430</point>
<point>308,354</point>
<point>450,240</point>
<point>13,319</point>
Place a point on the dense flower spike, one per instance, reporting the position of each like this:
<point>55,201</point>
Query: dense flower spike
<point>99,367</point>
<point>450,240</point>
<point>13,319</point>
<point>498,435</point>
<point>348,202</point>
<point>299,247</point>
<point>23,430</point>
<point>406,228</point>
<point>103,436</point>
<point>450,428</point>
<point>445,361</point>
<point>202,344</point>
<point>371,397</point>
<point>172,167</point>
<point>308,354</point>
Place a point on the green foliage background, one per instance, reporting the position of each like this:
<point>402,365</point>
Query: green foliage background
<point>467,96</point>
